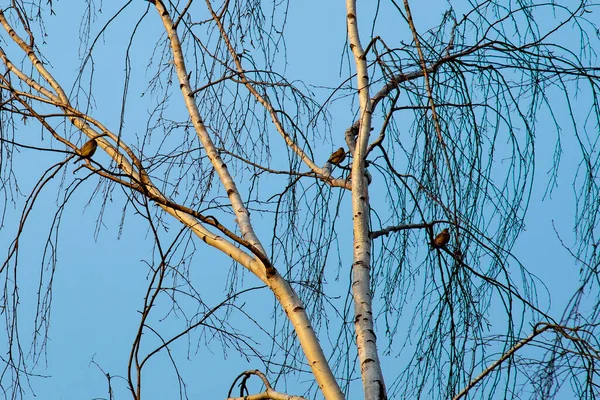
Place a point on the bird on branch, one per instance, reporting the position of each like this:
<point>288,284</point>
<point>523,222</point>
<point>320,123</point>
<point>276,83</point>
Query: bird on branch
<point>87,150</point>
<point>337,157</point>
<point>441,239</point>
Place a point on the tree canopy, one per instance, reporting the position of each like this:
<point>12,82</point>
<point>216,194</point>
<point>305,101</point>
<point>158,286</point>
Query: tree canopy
<point>339,196</point>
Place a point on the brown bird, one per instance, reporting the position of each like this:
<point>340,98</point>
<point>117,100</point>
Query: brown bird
<point>441,239</point>
<point>338,156</point>
<point>88,149</point>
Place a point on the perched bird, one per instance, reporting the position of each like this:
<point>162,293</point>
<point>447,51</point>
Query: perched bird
<point>337,157</point>
<point>441,239</point>
<point>88,149</point>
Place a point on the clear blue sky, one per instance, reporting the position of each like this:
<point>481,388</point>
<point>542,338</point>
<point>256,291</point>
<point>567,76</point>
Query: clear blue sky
<point>100,280</point>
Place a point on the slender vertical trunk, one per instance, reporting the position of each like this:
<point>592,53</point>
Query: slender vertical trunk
<point>366,341</point>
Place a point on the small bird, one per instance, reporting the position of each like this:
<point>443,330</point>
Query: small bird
<point>88,149</point>
<point>337,157</point>
<point>441,239</point>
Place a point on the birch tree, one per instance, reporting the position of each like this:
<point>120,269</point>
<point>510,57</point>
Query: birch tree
<point>390,263</point>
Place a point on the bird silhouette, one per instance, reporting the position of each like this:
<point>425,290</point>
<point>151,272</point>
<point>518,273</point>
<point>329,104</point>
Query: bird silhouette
<point>441,238</point>
<point>88,149</point>
<point>338,156</point>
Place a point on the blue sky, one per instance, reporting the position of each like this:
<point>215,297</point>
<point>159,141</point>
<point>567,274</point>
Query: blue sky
<point>101,278</point>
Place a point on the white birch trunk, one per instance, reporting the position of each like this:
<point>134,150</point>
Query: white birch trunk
<point>366,341</point>
<point>284,293</point>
